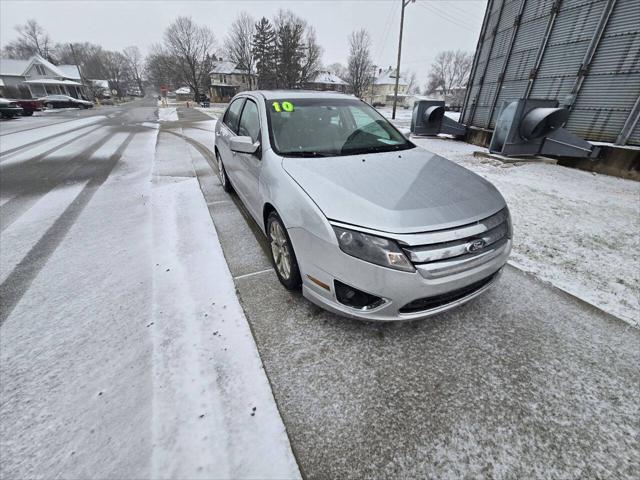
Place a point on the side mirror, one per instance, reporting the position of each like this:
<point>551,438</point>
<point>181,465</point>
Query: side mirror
<point>243,145</point>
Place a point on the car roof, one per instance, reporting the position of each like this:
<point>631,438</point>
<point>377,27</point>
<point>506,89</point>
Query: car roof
<point>289,94</point>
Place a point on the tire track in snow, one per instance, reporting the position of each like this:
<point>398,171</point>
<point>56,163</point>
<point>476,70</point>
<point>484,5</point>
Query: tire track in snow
<point>6,153</point>
<point>11,210</point>
<point>19,280</point>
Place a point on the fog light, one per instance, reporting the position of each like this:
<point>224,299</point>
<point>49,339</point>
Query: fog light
<point>354,298</point>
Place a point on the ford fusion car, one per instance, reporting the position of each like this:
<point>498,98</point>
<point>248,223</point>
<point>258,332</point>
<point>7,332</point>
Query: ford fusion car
<point>366,223</point>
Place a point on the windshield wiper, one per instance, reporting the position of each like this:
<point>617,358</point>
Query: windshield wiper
<point>304,154</point>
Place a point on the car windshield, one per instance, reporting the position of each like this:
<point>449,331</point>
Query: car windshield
<point>324,127</point>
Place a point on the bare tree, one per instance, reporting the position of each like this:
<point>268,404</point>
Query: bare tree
<point>188,48</point>
<point>359,67</point>
<point>412,83</point>
<point>32,40</point>
<point>87,56</point>
<point>449,72</point>
<point>238,44</point>
<point>338,69</point>
<point>135,65</point>
<point>312,58</point>
<point>115,64</point>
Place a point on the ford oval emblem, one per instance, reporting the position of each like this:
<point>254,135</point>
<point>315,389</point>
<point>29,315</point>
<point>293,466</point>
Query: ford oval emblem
<point>475,246</point>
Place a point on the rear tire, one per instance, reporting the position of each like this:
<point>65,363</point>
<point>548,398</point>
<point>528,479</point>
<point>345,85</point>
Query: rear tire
<point>282,254</point>
<point>222,174</point>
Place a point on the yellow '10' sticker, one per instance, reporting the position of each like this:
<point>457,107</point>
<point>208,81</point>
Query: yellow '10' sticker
<point>282,107</point>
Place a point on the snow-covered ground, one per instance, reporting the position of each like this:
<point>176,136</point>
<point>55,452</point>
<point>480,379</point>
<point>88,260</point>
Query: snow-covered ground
<point>124,351</point>
<point>575,229</point>
<point>167,114</point>
<point>215,110</point>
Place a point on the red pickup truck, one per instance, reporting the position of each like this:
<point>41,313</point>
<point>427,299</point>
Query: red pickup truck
<point>29,106</point>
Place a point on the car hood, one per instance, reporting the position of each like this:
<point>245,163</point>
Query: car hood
<point>398,192</point>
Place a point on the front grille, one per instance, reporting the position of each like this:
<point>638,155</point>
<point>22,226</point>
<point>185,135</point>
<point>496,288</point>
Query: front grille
<point>445,252</point>
<point>436,301</point>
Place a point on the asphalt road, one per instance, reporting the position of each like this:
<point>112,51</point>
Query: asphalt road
<point>524,382</point>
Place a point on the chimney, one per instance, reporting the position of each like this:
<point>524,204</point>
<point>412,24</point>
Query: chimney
<point>380,71</point>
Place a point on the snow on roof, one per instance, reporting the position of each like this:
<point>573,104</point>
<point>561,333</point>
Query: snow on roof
<point>328,77</point>
<point>18,68</point>
<point>52,81</point>
<point>388,77</point>
<point>226,67</point>
<point>47,64</point>
<point>11,67</point>
<point>183,91</point>
<point>70,71</point>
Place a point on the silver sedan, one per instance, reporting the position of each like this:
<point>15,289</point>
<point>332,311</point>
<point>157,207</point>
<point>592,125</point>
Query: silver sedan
<point>366,223</point>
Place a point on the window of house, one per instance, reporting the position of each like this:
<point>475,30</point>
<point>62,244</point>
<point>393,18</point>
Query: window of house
<point>250,121</point>
<point>221,78</point>
<point>232,115</point>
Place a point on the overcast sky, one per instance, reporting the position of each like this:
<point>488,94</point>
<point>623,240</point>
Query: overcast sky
<point>430,25</point>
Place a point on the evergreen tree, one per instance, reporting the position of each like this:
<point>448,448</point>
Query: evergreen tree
<point>290,49</point>
<point>264,53</point>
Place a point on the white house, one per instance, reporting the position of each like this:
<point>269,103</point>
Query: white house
<point>38,77</point>
<point>227,80</point>
<point>382,89</point>
<point>325,80</point>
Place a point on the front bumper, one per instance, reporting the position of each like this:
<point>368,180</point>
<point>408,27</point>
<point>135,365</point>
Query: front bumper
<point>325,262</point>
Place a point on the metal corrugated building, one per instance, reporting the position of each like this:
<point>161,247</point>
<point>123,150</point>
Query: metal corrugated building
<point>583,53</point>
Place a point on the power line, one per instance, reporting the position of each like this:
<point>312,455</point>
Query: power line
<point>445,16</point>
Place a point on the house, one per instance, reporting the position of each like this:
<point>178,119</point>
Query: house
<point>227,80</point>
<point>453,98</point>
<point>37,77</point>
<point>184,93</point>
<point>325,80</point>
<point>382,89</point>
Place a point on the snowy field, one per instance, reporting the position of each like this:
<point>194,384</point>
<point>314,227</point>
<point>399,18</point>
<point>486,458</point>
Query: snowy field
<point>575,229</point>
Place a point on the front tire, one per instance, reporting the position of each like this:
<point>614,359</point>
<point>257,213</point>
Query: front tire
<point>282,254</point>
<point>222,174</point>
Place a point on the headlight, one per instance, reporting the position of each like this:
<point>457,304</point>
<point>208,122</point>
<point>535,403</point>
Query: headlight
<point>373,249</point>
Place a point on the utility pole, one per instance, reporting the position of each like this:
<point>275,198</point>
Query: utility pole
<point>75,59</point>
<point>373,81</point>
<point>395,93</point>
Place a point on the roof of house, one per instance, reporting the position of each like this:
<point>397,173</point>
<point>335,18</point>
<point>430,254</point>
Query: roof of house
<point>11,67</point>
<point>227,68</point>
<point>17,68</point>
<point>324,76</point>
<point>70,71</point>
<point>388,77</point>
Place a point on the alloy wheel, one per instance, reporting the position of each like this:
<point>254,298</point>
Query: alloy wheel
<point>280,250</point>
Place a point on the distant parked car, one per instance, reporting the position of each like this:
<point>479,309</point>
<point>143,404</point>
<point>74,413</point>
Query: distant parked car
<point>29,106</point>
<point>9,108</point>
<point>64,101</point>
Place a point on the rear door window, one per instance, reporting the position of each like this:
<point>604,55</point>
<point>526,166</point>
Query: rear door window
<point>232,116</point>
